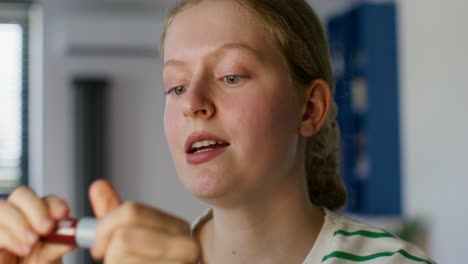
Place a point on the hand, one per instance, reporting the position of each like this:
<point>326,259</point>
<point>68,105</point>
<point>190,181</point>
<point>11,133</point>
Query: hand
<point>137,233</point>
<point>24,218</point>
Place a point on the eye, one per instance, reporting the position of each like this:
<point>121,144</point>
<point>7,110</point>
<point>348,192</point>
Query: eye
<point>178,90</point>
<point>232,79</point>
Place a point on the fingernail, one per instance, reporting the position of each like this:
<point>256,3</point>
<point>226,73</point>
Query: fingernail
<point>60,210</point>
<point>30,236</point>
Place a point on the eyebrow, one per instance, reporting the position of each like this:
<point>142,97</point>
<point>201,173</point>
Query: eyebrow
<point>218,51</point>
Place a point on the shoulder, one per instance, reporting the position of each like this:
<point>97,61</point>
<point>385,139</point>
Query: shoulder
<point>350,241</point>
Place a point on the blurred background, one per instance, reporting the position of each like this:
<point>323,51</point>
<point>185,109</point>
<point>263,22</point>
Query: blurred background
<point>81,98</point>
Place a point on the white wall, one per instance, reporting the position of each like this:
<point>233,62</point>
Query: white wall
<point>434,90</point>
<point>50,116</point>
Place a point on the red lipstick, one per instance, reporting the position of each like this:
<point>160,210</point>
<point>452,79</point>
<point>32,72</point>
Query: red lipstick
<point>73,231</point>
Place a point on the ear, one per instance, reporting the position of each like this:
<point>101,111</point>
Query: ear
<point>316,107</point>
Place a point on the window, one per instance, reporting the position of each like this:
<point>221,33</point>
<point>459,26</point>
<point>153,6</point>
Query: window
<point>13,97</point>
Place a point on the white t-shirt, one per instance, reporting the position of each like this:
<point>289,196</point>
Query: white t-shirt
<point>344,241</point>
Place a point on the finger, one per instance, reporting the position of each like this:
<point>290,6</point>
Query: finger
<point>6,257</point>
<point>57,207</point>
<point>103,198</point>
<point>12,245</point>
<point>136,260</point>
<point>50,252</point>
<point>33,209</point>
<point>130,214</point>
<point>122,258</point>
<point>13,222</point>
<point>152,245</point>
<point>47,253</point>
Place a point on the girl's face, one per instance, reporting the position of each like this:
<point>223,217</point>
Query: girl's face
<point>227,84</point>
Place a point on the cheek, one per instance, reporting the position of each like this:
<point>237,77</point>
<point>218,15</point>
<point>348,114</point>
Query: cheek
<point>267,124</point>
<point>171,125</point>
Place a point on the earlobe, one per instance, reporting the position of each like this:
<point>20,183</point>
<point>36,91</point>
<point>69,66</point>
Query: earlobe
<point>316,107</point>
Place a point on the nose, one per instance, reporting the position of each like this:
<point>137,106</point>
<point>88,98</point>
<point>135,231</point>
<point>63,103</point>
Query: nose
<point>199,103</point>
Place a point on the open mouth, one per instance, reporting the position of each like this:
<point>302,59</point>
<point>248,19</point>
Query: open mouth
<point>202,147</point>
<point>206,145</point>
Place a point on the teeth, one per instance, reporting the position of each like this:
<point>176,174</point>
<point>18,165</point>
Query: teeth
<point>204,143</point>
<point>202,150</point>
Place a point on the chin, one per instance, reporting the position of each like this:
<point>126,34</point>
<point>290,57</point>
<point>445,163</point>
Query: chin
<point>207,189</point>
<point>204,187</point>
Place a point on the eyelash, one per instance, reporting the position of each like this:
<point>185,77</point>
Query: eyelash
<point>239,78</point>
<point>173,89</point>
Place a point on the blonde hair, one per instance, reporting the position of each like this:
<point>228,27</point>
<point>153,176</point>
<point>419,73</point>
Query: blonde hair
<point>297,30</point>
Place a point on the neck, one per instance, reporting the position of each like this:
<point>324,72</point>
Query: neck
<point>278,228</point>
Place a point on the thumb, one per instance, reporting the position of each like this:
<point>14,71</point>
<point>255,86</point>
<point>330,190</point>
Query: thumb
<point>103,198</point>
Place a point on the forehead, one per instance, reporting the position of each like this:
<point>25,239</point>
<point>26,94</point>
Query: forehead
<point>210,24</point>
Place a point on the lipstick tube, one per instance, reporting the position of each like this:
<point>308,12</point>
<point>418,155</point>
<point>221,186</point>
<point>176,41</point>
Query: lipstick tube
<point>78,232</point>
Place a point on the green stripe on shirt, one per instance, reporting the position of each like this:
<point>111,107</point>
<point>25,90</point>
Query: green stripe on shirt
<point>355,258</point>
<point>363,233</point>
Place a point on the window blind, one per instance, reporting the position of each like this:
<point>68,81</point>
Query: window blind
<point>13,98</point>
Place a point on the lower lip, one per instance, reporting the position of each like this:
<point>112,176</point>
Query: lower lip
<point>201,157</point>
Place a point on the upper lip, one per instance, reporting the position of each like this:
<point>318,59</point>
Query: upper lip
<point>200,136</point>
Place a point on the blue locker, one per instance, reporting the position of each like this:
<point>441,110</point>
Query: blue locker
<point>363,44</point>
